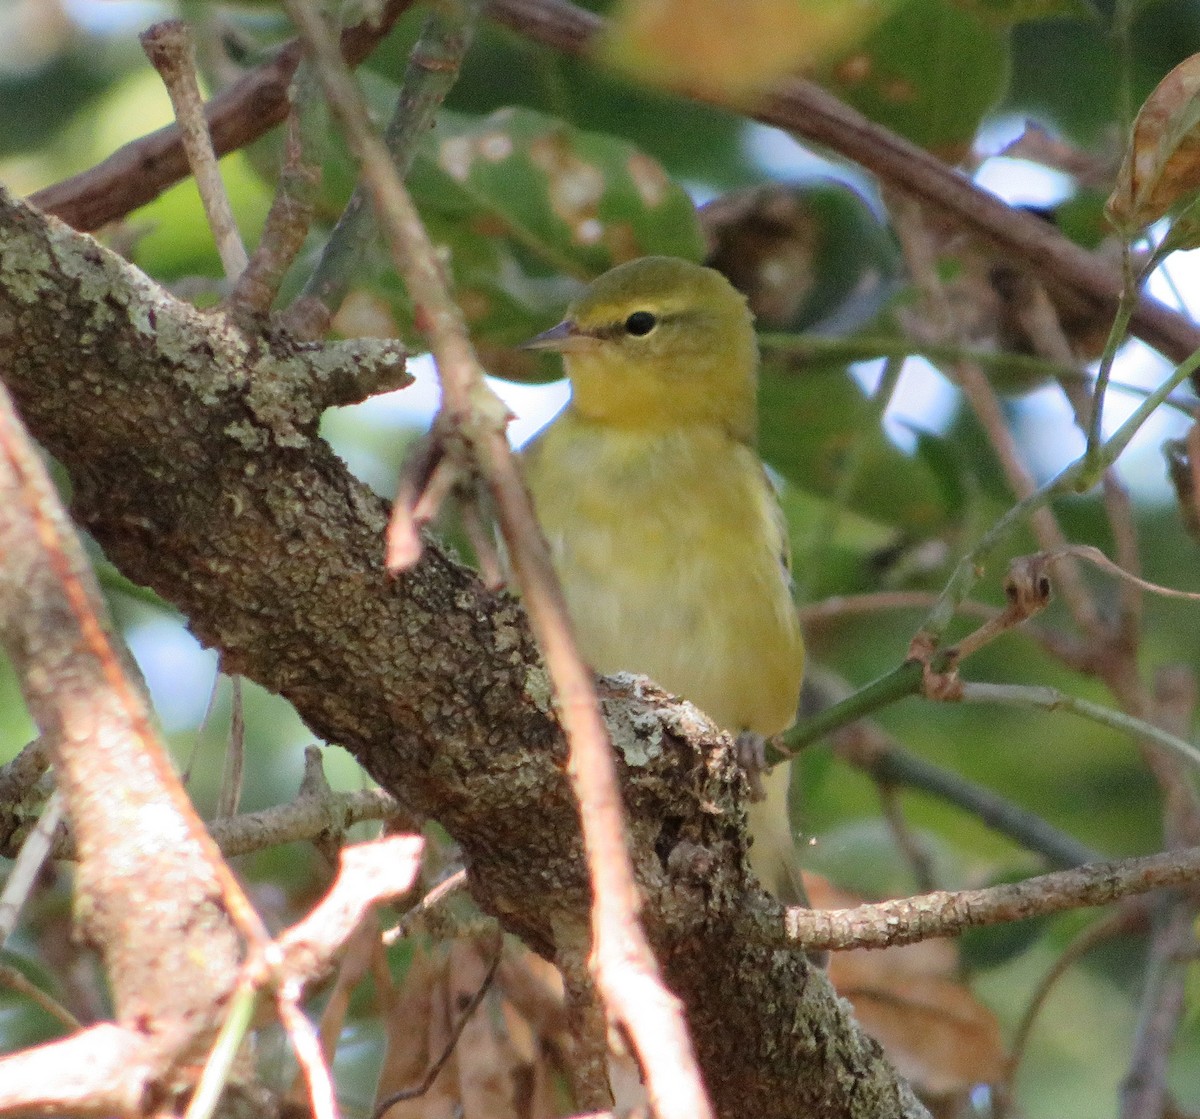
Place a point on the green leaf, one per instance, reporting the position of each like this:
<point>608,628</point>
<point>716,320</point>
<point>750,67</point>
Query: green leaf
<point>931,72</point>
<point>1008,12</point>
<point>564,200</point>
<point>810,420</point>
<point>521,203</point>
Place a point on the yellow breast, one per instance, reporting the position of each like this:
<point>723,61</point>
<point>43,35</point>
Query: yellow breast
<point>672,557</point>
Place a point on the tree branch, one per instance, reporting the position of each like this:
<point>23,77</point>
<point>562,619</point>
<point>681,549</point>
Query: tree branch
<point>140,171</point>
<point>807,111</point>
<point>201,474</point>
<point>947,913</point>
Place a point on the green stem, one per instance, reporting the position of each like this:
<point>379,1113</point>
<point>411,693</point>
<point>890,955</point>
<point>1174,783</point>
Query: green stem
<point>1116,335</point>
<point>816,347</point>
<point>1051,699</point>
<point>224,1050</point>
<point>900,682</point>
<point>432,69</point>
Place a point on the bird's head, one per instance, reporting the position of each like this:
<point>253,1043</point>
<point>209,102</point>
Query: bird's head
<point>660,343</point>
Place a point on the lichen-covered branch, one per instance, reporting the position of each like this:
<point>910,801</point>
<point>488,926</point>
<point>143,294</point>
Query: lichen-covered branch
<point>196,464</point>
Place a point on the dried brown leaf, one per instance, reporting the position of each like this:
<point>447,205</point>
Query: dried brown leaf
<point>1162,163</point>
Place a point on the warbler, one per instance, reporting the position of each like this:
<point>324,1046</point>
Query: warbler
<point>663,525</point>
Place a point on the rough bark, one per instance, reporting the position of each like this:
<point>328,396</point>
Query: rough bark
<point>195,462</point>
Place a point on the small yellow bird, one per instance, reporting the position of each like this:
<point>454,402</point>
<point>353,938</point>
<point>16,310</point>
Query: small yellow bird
<point>662,523</point>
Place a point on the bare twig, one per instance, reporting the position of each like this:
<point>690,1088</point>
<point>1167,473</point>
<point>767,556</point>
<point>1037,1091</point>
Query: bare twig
<point>140,171</point>
<point>171,972</point>
<point>915,242</point>
<point>433,67</point>
<point>945,913</point>
<point>1132,914</point>
<point>295,200</point>
<point>230,793</point>
<point>1051,699</point>
<point>864,745</point>
<point>168,45</point>
<point>1144,1088</point>
<point>443,890</point>
<point>11,978</point>
<point>143,169</point>
<point>25,870</point>
<point>626,971</point>
<point>907,841</point>
<point>431,1073</point>
<point>307,1047</point>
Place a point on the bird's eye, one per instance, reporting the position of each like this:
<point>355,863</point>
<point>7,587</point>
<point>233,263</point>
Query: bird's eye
<point>640,323</point>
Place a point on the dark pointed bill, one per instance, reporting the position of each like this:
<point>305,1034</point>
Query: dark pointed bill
<point>565,336</point>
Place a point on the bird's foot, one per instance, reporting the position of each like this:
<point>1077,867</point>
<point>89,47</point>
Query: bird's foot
<point>752,757</point>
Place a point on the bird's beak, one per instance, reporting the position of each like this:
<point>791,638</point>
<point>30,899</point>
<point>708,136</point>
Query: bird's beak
<point>563,338</point>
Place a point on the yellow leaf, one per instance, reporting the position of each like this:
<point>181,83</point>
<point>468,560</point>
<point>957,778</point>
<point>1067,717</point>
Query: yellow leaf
<point>732,48</point>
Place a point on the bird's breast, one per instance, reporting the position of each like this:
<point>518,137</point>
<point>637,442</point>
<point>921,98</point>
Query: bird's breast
<point>671,556</point>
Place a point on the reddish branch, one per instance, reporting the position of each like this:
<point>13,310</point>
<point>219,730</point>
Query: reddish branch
<point>143,169</point>
<point>155,897</point>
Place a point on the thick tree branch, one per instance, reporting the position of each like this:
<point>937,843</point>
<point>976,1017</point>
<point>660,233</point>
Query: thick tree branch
<point>201,474</point>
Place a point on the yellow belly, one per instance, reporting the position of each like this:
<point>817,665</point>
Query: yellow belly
<point>672,558</point>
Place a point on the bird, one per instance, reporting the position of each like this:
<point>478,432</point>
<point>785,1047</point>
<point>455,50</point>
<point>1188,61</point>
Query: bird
<point>663,524</point>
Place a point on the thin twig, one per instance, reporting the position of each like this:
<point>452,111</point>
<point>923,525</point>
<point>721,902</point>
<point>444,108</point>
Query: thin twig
<point>305,818</point>
<point>915,243</point>
<point>295,200</point>
<point>14,980</point>
<point>433,67</point>
<point>307,1047</point>
<point>140,171</point>
<point>169,47</point>
<point>830,353</point>
<point>626,971</point>
<point>1144,1087</point>
<point>907,841</point>
<point>24,475</point>
<point>438,894</point>
<point>34,852</point>
<point>215,1073</point>
<point>1127,918</point>
<point>1051,699</point>
<point>232,774</point>
<point>865,745</point>
<point>948,913</point>
<point>808,565</point>
<point>431,1073</point>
